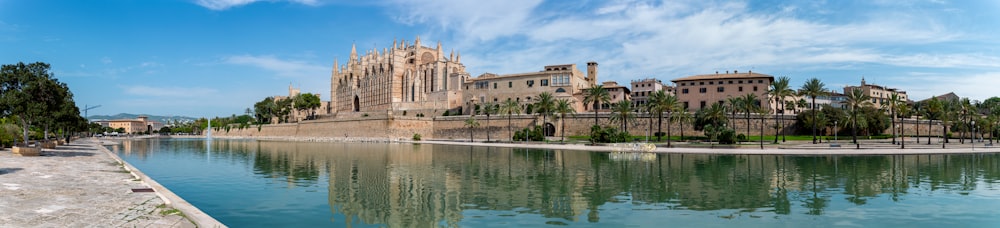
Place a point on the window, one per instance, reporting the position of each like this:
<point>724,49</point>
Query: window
<point>530,83</point>
<point>755,88</point>
<point>741,88</point>
<point>510,84</point>
<point>740,81</point>
<point>720,82</point>
<point>702,104</point>
<point>721,89</point>
<point>494,85</point>
<point>684,91</point>
<point>545,82</point>
<point>702,90</point>
<point>760,81</point>
<point>730,81</point>
<point>701,83</point>
<point>685,105</point>
<point>560,90</point>
<point>711,83</point>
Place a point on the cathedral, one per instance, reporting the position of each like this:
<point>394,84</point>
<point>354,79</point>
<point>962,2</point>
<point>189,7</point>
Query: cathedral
<point>405,77</point>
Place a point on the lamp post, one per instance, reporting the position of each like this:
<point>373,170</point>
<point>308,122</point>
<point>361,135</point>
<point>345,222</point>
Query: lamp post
<point>943,135</point>
<point>973,123</point>
<point>835,132</point>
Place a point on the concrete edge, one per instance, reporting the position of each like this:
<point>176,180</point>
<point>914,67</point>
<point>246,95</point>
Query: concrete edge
<point>198,217</point>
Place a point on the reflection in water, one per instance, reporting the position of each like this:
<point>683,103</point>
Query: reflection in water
<point>423,185</point>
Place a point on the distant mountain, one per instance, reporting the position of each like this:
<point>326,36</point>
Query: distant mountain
<point>161,119</point>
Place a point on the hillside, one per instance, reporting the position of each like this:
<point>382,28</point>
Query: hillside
<point>161,119</point>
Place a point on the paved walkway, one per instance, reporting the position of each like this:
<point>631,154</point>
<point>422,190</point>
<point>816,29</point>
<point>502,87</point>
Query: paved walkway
<point>77,185</point>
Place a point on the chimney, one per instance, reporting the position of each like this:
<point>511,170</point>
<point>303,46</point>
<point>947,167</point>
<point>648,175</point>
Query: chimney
<point>727,72</point>
<point>716,72</point>
<point>736,72</point>
<point>750,72</point>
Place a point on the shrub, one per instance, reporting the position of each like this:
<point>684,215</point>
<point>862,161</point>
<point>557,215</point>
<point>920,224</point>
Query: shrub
<point>600,134</point>
<point>364,115</point>
<point>446,113</point>
<point>529,134</point>
<point>416,137</point>
<point>727,136</point>
<point>741,138</point>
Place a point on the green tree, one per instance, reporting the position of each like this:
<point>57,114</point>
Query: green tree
<point>596,95</point>
<point>681,116</point>
<point>544,104</point>
<point>812,89</point>
<point>856,99</point>
<point>932,110</point>
<point>660,102</point>
<point>307,101</point>
<point>780,89</point>
<point>488,109</point>
<point>509,108</point>
<point>904,110</point>
<point>472,124</point>
<point>27,92</point>
<point>621,113</point>
<point>892,105</point>
<point>750,104</point>
<point>714,115</point>
<point>562,108</point>
<point>265,109</point>
<point>284,109</point>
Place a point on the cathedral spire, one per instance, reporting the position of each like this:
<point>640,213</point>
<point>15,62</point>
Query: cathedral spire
<point>354,51</point>
<point>452,56</point>
<point>417,43</point>
<point>335,66</point>
<point>458,57</point>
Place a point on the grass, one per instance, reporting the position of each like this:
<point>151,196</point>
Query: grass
<point>753,138</point>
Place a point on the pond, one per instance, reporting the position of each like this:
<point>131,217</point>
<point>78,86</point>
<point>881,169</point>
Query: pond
<point>248,183</point>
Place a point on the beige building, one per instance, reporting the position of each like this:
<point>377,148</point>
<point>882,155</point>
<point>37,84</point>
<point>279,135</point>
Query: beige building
<point>700,91</point>
<point>296,115</point>
<point>880,94</point>
<point>562,81</point>
<point>643,88</point>
<point>616,93</point>
<point>400,78</point>
<point>132,126</point>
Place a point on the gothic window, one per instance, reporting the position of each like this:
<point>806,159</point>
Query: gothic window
<point>427,57</point>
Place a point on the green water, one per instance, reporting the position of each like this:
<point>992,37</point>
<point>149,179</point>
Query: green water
<point>299,184</point>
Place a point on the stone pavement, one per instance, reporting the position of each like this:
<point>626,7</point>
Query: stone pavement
<point>77,185</point>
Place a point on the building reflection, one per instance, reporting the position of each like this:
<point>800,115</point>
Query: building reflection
<point>424,185</point>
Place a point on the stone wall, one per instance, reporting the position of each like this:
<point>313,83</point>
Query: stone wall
<point>453,127</point>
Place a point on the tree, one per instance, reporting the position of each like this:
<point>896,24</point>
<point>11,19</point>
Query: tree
<point>28,92</point>
<point>812,89</point>
<point>562,108</point>
<point>471,123</point>
<point>621,113</point>
<point>307,101</point>
<point>596,95</point>
<point>893,106</point>
<point>509,108</point>
<point>714,115</point>
<point>780,90</point>
<point>856,100</point>
<point>682,116</point>
<point>488,109</point>
<point>932,108</point>
<point>904,110</point>
<point>265,109</point>
<point>284,109</point>
<point>660,102</point>
<point>544,104</point>
<point>735,105</point>
<point>750,105</point>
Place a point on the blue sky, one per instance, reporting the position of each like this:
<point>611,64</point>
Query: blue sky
<point>217,57</point>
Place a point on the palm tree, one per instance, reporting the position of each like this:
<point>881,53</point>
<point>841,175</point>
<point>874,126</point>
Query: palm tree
<point>780,90</point>
<point>471,123</point>
<point>856,100</point>
<point>621,113</point>
<point>488,108</point>
<point>562,108</point>
<point>509,108</point>
<point>813,88</point>
<point>660,102</point>
<point>932,109</point>
<point>544,105</point>
<point>596,95</point>
<point>735,105</point>
<point>893,104</point>
<point>750,104</point>
<point>681,116</point>
<point>903,109</point>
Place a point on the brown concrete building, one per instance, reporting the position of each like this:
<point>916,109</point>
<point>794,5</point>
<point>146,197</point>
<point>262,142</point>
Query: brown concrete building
<point>880,94</point>
<point>700,91</point>
<point>643,88</point>
<point>562,81</point>
<point>404,77</point>
<point>132,126</point>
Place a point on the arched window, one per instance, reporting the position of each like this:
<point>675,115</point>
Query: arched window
<point>560,90</point>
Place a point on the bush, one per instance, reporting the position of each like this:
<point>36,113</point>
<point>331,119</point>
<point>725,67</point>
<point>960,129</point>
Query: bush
<point>741,138</point>
<point>416,137</point>
<point>529,134</point>
<point>364,115</point>
<point>446,113</point>
<point>727,136</point>
<point>660,134</point>
<point>600,134</point>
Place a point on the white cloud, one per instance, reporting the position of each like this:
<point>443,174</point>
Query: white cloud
<point>177,92</point>
<point>975,86</point>
<point>226,4</point>
<point>286,68</point>
<point>106,60</point>
<point>479,20</point>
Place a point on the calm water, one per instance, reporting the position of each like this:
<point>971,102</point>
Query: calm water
<point>298,184</point>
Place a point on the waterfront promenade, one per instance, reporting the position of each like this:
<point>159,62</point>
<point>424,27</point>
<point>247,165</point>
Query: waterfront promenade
<point>79,185</point>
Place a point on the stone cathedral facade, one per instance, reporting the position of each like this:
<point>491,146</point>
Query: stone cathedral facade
<point>406,77</point>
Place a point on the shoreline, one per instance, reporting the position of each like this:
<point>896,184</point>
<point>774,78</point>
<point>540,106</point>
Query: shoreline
<point>195,215</point>
<point>806,148</point>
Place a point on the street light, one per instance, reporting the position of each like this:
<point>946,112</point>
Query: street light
<point>835,131</point>
<point>973,123</point>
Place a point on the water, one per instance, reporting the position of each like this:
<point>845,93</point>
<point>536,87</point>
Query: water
<point>245,183</point>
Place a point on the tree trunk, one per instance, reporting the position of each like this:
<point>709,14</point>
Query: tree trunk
<point>668,132</point>
<point>659,127</point>
<point>893,127</point>
<point>562,127</point>
<point>814,120</point>
<point>928,132</point>
<point>487,128</point>
<point>509,131</point>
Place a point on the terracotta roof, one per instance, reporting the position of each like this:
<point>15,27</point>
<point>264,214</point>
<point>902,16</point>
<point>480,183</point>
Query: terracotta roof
<point>723,76</point>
